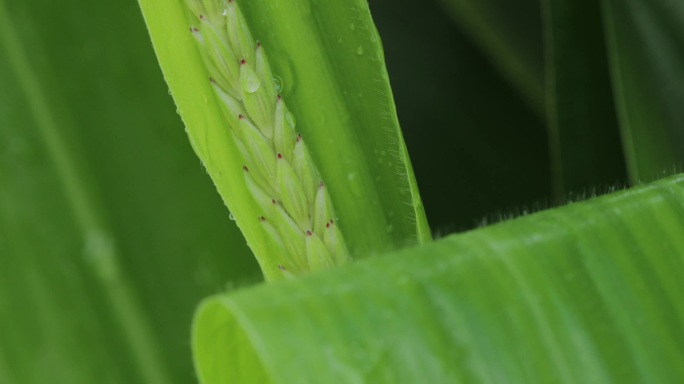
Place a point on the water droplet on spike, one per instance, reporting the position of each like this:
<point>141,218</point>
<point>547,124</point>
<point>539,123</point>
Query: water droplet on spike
<point>278,83</point>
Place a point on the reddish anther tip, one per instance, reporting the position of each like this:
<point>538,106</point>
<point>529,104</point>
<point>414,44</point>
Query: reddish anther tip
<point>274,201</point>
<point>309,233</point>
<point>258,44</point>
<point>244,168</point>
<point>299,138</point>
<point>279,97</point>
<point>201,17</point>
<point>211,80</point>
<point>243,62</point>
<point>241,117</point>
<point>327,225</point>
<point>321,185</point>
<point>262,219</point>
<point>280,155</point>
<point>331,221</point>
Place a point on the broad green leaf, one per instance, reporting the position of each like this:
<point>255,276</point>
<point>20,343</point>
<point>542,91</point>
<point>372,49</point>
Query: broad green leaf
<point>583,128</point>
<point>110,232</point>
<point>590,292</point>
<point>646,53</point>
<point>329,58</point>
<point>510,33</point>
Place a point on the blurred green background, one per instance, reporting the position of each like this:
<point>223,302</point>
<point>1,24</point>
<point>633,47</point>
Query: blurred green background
<point>110,228</point>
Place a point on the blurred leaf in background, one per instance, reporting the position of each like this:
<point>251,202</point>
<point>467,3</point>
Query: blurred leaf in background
<point>110,232</point>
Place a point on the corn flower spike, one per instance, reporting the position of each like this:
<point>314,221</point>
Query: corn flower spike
<point>279,171</point>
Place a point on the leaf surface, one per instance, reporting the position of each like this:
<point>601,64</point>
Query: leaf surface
<point>590,292</point>
<point>109,230</point>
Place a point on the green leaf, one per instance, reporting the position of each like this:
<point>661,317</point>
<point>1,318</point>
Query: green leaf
<point>110,232</point>
<point>329,59</point>
<point>509,32</point>
<point>583,128</point>
<point>590,292</point>
<point>646,53</point>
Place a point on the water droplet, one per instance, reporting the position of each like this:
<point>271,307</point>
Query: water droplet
<point>278,83</point>
<point>231,216</point>
<point>359,50</point>
<point>250,80</point>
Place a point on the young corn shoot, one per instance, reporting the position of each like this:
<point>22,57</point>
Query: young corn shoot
<point>279,171</point>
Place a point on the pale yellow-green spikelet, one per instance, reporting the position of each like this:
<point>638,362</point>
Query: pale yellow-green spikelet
<point>332,238</point>
<point>220,53</point>
<point>292,236</point>
<point>317,255</point>
<point>292,194</point>
<point>263,197</point>
<point>283,131</point>
<point>238,33</point>
<point>231,107</point>
<point>306,170</point>
<point>260,150</point>
<point>322,209</point>
<point>273,234</point>
<point>279,171</point>
<point>257,101</point>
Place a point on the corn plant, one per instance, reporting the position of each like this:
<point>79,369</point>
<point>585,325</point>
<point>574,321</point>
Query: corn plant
<point>220,191</point>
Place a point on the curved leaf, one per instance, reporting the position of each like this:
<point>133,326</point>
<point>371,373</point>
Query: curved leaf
<point>591,292</point>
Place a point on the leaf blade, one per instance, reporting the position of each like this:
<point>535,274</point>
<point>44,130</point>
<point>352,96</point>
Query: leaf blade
<point>552,296</point>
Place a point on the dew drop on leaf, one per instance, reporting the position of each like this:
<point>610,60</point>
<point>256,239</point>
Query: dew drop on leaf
<point>278,83</point>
